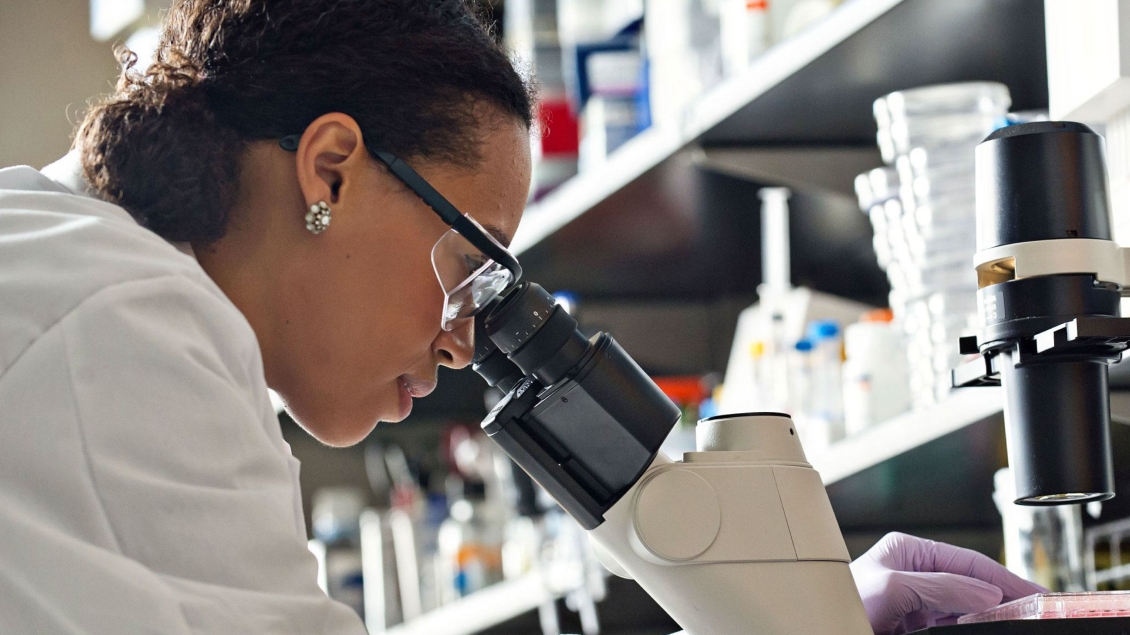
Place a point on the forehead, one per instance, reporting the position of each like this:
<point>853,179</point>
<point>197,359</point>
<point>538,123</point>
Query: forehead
<point>494,191</point>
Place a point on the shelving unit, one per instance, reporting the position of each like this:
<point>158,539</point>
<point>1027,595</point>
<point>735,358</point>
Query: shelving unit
<point>906,432</point>
<point>657,144</point>
<point>672,213</point>
<point>494,604</point>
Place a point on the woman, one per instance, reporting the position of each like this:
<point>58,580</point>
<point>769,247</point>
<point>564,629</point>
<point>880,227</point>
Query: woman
<point>242,215</point>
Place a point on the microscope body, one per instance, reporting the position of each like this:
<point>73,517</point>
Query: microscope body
<point>739,537</point>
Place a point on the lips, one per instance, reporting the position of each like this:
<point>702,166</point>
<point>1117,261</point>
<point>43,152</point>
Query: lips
<point>416,387</point>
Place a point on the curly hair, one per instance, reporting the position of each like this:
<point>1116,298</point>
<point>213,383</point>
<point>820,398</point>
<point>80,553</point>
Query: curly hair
<point>166,144</point>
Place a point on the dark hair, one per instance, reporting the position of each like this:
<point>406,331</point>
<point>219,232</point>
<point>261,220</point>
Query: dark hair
<point>166,144</point>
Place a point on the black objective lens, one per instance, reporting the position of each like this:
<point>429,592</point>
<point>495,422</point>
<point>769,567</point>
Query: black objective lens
<point>1058,426</point>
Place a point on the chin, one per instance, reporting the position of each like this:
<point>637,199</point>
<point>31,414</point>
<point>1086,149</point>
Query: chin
<point>342,435</point>
<point>335,427</point>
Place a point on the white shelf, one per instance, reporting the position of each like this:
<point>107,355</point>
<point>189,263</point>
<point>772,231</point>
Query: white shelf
<point>813,90</point>
<point>657,143</point>
<point>965,407</point>
<point>494,604</point>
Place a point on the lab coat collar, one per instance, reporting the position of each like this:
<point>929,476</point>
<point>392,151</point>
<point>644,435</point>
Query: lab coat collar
<point>67,173</point>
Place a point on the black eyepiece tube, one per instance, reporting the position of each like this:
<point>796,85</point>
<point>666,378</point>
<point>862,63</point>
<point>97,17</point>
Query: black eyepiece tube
<point>583,419</point>
<point>491,363</point>
<point>540,337</point>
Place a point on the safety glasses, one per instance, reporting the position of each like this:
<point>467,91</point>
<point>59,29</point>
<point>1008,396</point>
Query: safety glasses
<point>472,267</point>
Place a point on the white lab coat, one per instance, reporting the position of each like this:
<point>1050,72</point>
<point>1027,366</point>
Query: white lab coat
<point>145,486</point>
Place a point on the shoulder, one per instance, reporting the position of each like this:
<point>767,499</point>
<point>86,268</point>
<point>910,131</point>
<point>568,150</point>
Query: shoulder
<point>64,254</point>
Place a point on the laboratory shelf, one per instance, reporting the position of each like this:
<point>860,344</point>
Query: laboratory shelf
<point>904,433</point>
<point>672,214</point>
<point>931,472</point>
<point>658,143</point>
<point>494,604</point>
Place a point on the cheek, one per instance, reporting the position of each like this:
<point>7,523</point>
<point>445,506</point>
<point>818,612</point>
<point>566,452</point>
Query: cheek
<point>410,301</point>
<point>353,329</point>
<point>396,305</point>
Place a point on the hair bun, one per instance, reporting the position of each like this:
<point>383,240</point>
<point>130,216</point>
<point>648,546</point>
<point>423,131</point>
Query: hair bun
<point>168,143</point>
<point>159,123</point>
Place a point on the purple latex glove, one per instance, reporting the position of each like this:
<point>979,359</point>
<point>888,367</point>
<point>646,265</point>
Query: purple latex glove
<point>910,583</point>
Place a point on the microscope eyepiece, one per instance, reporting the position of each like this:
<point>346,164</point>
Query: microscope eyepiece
<point>491,363</point>
<point>538,336</point>
<point>580,415</point>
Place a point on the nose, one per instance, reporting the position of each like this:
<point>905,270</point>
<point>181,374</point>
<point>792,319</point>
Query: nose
<point>456,347</point>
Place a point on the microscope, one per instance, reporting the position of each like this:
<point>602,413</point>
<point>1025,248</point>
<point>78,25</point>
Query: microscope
<point>738,537</point>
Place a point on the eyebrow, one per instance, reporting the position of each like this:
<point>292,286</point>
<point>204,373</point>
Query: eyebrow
<point>498,234</point>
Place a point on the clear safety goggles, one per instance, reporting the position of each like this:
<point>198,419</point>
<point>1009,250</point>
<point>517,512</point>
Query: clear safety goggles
<point>472,267</point>
<point>470,278</point>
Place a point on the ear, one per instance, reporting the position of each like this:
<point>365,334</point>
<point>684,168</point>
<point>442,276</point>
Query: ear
<point>329,156</point>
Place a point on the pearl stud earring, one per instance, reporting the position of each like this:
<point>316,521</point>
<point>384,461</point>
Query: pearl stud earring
<point>318,218</point>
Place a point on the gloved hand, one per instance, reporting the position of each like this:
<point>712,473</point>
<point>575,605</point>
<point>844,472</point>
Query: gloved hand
<point>910,583</point>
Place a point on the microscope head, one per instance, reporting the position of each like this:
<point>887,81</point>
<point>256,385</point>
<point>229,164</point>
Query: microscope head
<point>1050,281</point>
<point>580,416</point>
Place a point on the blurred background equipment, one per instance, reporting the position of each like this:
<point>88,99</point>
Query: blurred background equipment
<point>923,215</point>
<point>1041,544</point>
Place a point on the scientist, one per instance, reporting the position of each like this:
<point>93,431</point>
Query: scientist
<point>240,215</point>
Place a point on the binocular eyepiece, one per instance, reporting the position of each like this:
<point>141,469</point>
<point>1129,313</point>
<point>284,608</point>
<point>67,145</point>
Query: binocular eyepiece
<point>580,416</point>
<point>529,330</point>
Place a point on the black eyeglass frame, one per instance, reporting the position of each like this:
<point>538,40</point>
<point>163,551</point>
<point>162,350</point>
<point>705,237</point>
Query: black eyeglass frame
<point>443,208</point>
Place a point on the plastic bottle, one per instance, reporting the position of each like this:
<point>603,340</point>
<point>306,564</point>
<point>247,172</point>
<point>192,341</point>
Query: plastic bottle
<point>800,384</point>
<point>827,390</point>
<point>775,366</point>
<point>876,387</point>
<point>471,541</point>
<point>335,516</point>
<point>745,31</point>
<point>760,388</point>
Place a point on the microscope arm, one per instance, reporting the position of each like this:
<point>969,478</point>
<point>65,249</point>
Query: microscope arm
<point>738,536</point>
<point>728,543</point>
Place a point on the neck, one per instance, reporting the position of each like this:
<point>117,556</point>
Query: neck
<point>248,262</point>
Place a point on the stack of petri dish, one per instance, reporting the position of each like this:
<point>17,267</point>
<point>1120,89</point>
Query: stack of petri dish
<point>922,210</point>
